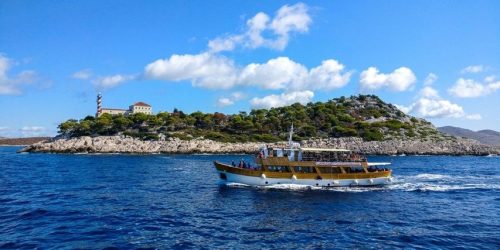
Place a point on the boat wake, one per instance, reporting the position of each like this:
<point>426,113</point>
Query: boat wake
<point>432,176</point>
<point>417,183</point>
<point>430,187</point>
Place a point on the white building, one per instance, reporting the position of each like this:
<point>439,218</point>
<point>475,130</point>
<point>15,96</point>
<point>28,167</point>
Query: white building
<point>141,107</point>
<point>112,111</point>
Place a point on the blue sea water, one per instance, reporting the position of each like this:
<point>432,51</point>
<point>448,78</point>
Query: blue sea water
<point>176,201</point>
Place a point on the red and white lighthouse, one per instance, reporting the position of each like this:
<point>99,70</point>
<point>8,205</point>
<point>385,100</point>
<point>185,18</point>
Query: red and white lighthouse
<point>99,105</point>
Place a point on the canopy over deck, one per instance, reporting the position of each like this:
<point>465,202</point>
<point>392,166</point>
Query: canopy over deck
<point>326,149</point>
<point>313,149</point>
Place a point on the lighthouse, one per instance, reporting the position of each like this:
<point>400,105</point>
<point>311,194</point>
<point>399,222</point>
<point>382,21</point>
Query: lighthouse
<point>99,105</point>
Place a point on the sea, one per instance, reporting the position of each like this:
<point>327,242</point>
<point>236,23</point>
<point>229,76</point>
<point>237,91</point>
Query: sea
<point>114,201</point>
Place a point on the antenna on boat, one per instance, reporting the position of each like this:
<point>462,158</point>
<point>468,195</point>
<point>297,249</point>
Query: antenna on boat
<point>290,142</point>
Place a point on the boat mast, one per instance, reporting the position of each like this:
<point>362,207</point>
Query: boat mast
<point>290,142</point>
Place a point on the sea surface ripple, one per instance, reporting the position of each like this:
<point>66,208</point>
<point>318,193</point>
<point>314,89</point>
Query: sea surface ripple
<point>176,201</point>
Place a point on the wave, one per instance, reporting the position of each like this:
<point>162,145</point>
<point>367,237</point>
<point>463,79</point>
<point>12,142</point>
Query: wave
<point>432,176</point>
<point>396,186</point>
<point>236,184</point>
<point>426,187</point>
<point>291,187</point>
<point>447,178</point>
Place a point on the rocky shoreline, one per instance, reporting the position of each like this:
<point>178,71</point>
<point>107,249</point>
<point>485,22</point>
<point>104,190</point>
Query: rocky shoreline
<point>129,145</point>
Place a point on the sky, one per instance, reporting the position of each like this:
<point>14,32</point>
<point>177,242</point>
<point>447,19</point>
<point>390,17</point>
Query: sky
<point>438,60</point>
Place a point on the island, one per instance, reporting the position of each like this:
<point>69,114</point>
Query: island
<point>362,123</point>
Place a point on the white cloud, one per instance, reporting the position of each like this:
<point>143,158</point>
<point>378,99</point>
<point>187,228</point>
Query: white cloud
<point>204,70</point>
<point>400,79</point>
<point>276,73</point>
<point>430,105</point>
<point>106,82</point>
<point>429,92</point>
<point>474,117</point>
<point>403,108</point>
<point>13,85</point>
<point>237,96</point>
<point>473,69</point>
<point>288,20</point>
<point>329,75</point>
<point>83,74</point>
<point>436,108</point>
<point>469,88</point>
<point>430,79</point>
<point>489,79</point>
<point>283,99</point>
<point>228,101</point>
<point>218,72</point>
<point>224,44</point>
<point>224,101</point>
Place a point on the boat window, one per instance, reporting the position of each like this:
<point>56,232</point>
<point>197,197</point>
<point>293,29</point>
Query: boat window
<point>279,152</point>
<point>355,170</point>
<point>280,169</point>
<point>266,154</point>
<point>272,152</point>
<point>330,170</point>
<point>304,169</point>
<point>291,155</point>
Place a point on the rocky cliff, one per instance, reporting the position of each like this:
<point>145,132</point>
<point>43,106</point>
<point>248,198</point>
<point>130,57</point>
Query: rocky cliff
<point>124,144</point>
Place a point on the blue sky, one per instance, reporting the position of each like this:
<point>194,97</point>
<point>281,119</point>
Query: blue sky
<point>435,59</point>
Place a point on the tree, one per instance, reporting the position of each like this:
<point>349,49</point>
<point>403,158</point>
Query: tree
<point>83,128</point>
<point>121,123</point>
<point>139,119</point>
<point>68,126</point>
<point>154,121</point>
<point>103,124</point>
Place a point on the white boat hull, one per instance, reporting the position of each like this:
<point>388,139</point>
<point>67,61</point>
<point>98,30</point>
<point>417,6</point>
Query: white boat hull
<point>264,181</point>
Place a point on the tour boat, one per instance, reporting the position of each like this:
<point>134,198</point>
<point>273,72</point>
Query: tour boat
<point>315,167</point>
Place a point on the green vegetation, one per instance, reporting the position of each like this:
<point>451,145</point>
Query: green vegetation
<point>365,116</point>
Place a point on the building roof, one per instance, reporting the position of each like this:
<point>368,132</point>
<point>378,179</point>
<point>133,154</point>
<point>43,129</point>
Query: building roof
<point>141,104</point>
